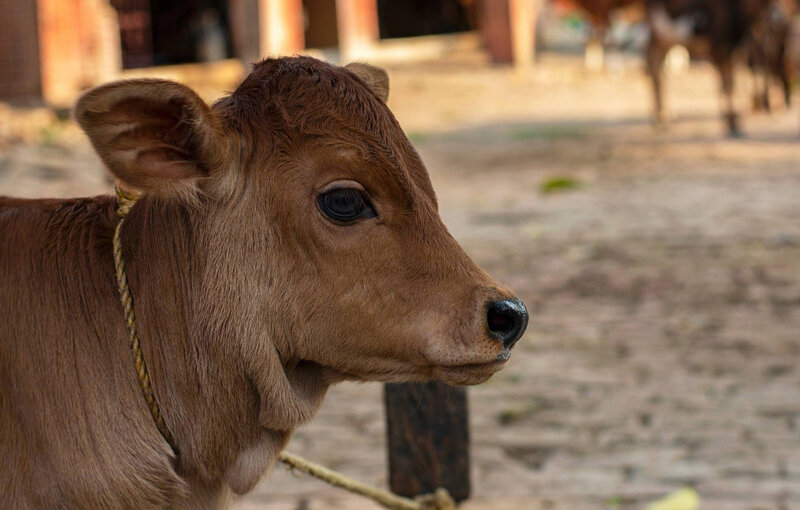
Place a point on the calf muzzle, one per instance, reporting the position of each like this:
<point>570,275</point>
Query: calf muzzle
<point>507,320</point>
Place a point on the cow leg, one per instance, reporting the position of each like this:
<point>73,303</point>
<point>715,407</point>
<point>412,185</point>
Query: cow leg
<point>786,83</point>
<point>724,64</point>
<point>758,62</point>
<point>759,71</point>
<point>784,71</point>
<point>656,53</point>
<point>765,86</point>
<point>761,89</point>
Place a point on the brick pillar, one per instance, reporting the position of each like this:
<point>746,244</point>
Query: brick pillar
<point>60,50</point>
<point>509,30</point>
<point>280,27</point>
<point>358,27</point>
<point>523,32</point>
<point>79,47</point>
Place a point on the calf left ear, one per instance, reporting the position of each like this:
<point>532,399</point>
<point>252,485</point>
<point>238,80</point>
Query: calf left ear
<point>153,135</point>
<point>374,77</point>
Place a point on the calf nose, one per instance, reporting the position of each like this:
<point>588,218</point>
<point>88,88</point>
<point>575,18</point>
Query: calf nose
<point>507,320</point>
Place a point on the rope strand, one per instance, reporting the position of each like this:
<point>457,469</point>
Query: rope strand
<point>126,200</point>
<point>440,500</point>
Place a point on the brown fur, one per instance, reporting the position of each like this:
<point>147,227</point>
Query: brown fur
<point>249,302</point>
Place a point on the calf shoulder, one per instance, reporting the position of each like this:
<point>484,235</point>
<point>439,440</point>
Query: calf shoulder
<point>72,430</point>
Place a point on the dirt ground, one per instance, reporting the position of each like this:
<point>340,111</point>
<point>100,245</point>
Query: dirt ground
<point>662,273</point>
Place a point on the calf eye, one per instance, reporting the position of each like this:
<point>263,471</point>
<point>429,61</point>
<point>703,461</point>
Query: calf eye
<point>346,205</point>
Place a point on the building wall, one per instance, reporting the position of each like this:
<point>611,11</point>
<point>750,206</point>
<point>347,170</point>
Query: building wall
<point>51,50</point>
<point>19,52</point>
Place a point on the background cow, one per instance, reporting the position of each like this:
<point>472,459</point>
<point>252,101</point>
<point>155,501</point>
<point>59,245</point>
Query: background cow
<point>768,52</point>
<point>713,28</point>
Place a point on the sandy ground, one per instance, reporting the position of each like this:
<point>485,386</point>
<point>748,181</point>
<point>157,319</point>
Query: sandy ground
<point>664,289</point>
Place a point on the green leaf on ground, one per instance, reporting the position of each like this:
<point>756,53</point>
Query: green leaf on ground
<point>559,183</point>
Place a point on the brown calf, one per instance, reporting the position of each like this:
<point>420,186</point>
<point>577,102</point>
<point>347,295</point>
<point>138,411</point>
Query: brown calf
<point>288,238</point>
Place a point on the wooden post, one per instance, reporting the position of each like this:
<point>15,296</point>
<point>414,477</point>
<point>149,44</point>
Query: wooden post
<point>523,33</point>
<point>280,27</point>
<point>358,27</point>
<point>428,436</point>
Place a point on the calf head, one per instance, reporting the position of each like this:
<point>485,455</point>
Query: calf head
<point>321,252</point>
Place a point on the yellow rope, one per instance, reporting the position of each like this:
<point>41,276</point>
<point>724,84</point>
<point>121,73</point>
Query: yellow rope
<point>440,500</point>
<point>125,201</point>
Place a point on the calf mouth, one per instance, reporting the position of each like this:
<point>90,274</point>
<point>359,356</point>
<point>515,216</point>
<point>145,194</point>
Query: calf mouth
<point>472,373</point>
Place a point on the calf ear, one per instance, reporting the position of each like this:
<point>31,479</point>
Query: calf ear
<point>152,134</point>
<point>375,78</point>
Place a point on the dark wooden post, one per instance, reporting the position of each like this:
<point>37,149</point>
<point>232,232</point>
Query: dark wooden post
<point>428,436</point>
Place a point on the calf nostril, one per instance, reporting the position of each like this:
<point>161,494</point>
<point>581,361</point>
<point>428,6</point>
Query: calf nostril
<point>507,320</point>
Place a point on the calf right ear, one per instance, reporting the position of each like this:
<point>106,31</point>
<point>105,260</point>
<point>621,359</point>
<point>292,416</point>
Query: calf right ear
<point>374,77</point>
<point>153,135</point>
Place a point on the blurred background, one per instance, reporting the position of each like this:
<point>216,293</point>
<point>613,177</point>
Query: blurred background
<point>660,261</point>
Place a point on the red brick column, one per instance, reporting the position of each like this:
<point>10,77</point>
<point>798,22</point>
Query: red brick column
<point>523,32</point>
<point>508,28</point>
<point>280,27</point>
<point>358,27</point>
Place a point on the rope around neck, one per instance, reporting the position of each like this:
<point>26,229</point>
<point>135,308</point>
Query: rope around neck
<point>440,500</point>
<point>125,201</point>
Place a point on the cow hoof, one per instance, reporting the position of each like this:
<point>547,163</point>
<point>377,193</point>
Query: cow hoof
<point>735,133</point>
<point>661,122</point>
<point>732,121</point>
